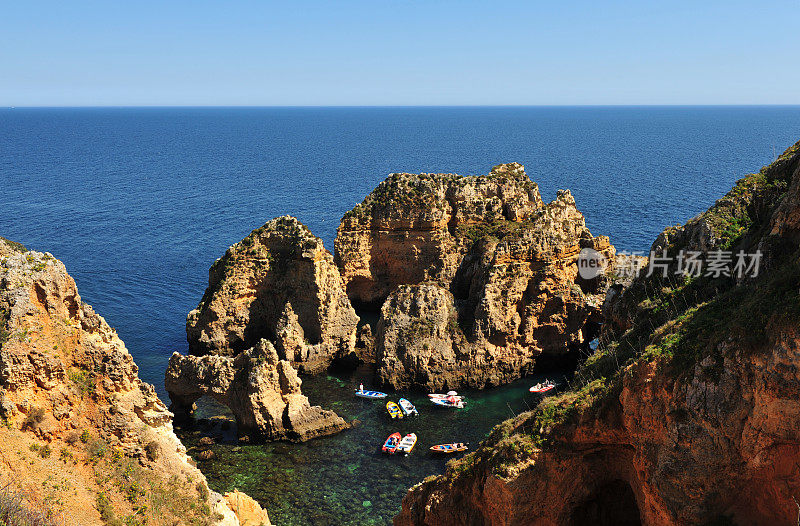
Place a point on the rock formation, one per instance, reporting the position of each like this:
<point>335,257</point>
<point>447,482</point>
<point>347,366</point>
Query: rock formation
<point>247,510</point>
<point>415,228</point>
<point>275,301</point>
<point>688,413</point>
<point>504,262</point>
<point>278,283</point>
<point>262,391</point>
<point>70,394</point>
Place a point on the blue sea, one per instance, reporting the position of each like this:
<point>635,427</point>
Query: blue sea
<point>138,203</point>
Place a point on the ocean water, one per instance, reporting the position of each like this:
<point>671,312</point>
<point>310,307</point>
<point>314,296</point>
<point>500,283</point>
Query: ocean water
<point>139,202</point>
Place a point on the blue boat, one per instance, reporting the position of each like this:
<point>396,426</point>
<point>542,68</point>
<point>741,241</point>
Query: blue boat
<point>370,394</point>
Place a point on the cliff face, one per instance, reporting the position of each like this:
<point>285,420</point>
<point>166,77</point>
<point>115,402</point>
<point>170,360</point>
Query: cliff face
<point>504,262</point>
<point>688,413</point>
<point>84,438</point>
<point>278,283</point>
<point>262,391</point>
<point>275,301</point>
<point>405,231</point>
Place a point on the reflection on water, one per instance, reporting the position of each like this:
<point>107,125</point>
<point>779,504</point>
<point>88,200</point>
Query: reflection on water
<point>345,479</point>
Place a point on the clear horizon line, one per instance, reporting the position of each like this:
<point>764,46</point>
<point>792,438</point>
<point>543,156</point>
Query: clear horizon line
<point>256,106</point>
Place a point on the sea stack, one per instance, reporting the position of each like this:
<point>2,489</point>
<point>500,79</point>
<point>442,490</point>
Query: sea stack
<point>275,304</point>
<point>475,277</point>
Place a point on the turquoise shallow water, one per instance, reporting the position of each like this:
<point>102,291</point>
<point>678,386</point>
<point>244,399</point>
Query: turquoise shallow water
<point>345,479</point>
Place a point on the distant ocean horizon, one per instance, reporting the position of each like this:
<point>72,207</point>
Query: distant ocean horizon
<point>399,106</point>
<point>139,201</point>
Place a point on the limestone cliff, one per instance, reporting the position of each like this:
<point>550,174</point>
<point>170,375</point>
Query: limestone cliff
<point>85,441</point>
<point>504,261</point>
<point>688,413</point>
<point>405,230</point>
<point>262,391</point>
<point>278,283</point>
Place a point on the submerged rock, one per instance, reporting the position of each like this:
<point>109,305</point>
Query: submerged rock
<point>278,283</point>
<point>262,391</point>
<point>488,247</point>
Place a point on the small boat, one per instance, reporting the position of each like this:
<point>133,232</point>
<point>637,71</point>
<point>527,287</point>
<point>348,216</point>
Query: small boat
<point>394,410</point>
<point>407,407</point>
<point>543,387</point>
<point>390,446</point>
<point>370,394</point>
<point>451,394</point>
<point>448,402</point>
<point>407,444</point>
<point>449,448</point>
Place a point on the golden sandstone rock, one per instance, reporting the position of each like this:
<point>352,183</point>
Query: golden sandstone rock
<point>501,260</point>
<point>76,415</point>
<point>689,411</point>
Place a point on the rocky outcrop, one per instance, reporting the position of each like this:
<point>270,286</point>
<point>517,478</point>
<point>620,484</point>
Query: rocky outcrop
<point>405,230</point>
<point>248,511</point>
<point>262,391</point>
<point>278,283</point>
<point>504,261</point>
<point>8,247</point>
<point>275,302</point>
<point>70,394</point>
<point>688,413</point>
<point>419,340</point>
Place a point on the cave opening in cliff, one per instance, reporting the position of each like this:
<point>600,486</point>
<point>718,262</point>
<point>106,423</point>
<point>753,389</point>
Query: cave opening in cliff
<point>612,504</point>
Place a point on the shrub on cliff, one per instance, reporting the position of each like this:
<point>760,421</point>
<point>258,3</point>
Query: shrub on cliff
<point>16,510</point>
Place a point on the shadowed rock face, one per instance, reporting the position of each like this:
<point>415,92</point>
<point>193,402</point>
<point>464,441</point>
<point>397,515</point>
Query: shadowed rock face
<point>688,413</point>
<point>262,391</point>
<point>502,261</point>
<point>63,372</point>
<point>278,283</point>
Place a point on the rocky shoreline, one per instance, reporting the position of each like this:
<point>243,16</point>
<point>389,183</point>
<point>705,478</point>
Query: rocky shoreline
<point>686,412</point>
<point>85,441</point>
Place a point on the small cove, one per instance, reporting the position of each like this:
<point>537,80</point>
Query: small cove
<point>345,479</point>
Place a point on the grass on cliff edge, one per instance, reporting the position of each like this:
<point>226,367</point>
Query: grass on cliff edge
<point>18,247</point>
<point>679,321</point>
<point>741,314</point>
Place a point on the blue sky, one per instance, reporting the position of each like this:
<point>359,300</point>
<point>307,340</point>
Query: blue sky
<point>435,52</point>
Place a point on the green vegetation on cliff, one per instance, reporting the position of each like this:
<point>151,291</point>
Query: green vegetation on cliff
<point>12,245</point>
<point>676,321</point>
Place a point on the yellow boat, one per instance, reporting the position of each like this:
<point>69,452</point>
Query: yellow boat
<point>394,410</point>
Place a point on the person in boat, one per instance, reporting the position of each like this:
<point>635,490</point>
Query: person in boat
<point>361,387</point>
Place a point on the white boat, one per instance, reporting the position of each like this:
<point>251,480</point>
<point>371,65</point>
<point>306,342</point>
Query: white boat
<point>370,394</point>
<point>407,407</point>
<point>407,444</point>
<point>448,402</point>
<point>448,395</point>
